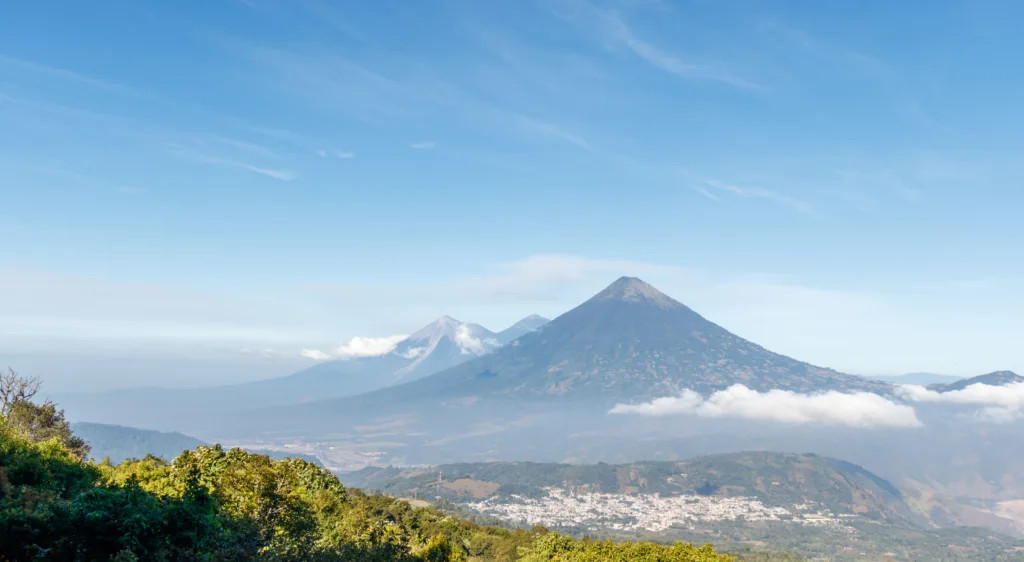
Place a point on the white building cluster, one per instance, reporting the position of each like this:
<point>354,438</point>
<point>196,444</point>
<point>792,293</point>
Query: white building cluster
<point>559,508</point>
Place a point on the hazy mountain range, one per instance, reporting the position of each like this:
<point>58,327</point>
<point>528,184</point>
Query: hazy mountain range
<point>629,342</point>
<point>119,443</point>
<point>444,343</point>
<point>917,378</point>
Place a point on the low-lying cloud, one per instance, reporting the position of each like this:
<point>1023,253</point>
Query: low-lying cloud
<point>977,394</point>
<point>999,404</point>
<point>356,347</point>
<point>858,409</point>
<point>464,338</point>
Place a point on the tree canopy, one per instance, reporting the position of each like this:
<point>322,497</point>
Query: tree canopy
<point>212,504</point>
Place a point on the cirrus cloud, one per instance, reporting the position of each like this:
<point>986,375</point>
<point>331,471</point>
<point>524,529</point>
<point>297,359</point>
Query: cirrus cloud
<point>858,409</point>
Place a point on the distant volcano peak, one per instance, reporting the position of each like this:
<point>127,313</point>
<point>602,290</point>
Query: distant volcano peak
<point>635,290</point>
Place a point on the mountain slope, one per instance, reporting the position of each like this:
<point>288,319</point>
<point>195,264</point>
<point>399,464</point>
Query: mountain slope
<point>521,328</point>
<point>120,443</point>
<point>628,342</point>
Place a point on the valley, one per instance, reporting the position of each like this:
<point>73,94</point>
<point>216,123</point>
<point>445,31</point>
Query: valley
<point>814,506</point>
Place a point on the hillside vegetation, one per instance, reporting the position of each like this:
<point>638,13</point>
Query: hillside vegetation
<point>212,504</point>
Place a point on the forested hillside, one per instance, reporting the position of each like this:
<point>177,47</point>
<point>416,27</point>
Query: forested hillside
<point>216,505</point>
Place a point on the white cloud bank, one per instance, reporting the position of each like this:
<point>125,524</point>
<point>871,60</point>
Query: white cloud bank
<point>1001,404</point>
<point>859,409</point>
<point>356,347</point>
<point>977,394</point>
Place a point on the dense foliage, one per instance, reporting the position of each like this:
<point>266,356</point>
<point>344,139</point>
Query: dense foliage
<point>210,504</point>
<point>559,548</point>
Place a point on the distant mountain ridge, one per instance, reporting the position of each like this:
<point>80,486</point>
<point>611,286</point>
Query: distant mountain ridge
<point>997,378</point>
<point>923,379</point>
<point>444,343</point>
<point>119,443</point>
<point>521,328</point>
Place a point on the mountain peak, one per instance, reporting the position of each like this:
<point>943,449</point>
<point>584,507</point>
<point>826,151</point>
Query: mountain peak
<point>531,322</point>
<point>443,326</point>
<point>635,290</point>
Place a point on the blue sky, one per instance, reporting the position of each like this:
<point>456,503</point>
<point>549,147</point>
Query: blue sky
<point>841,183</point>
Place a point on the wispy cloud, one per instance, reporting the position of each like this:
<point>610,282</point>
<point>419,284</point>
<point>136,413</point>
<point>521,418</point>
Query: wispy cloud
<point>554,131</point>
<point>704,191</point>
<point>344,154</point>
<point>860,409</point>
<point>891,80</point>
<point>613,30</point>
<point>278,174</point>
<point>759,193</point>
<point>65,74</point>
<point>244,145</point>
<point>283,175</point>
<point>338,85</point>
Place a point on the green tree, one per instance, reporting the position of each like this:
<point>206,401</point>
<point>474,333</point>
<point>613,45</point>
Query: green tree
<point>43,422</point>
